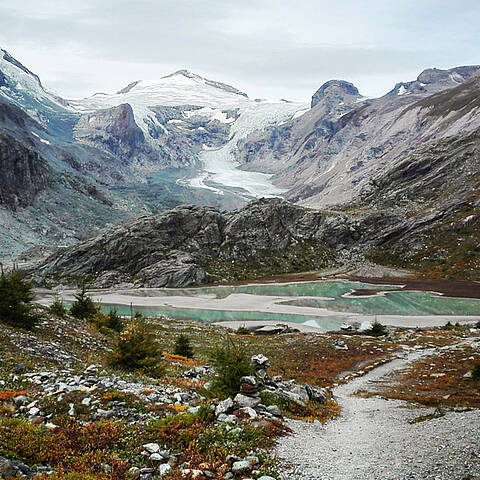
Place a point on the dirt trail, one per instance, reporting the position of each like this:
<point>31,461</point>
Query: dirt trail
<point>373,439</point>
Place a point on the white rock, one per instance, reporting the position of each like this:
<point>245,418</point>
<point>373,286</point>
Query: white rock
<point>33,411</point>
<point>152,447</point>
<point>224,406</point>
<point>164,469</point>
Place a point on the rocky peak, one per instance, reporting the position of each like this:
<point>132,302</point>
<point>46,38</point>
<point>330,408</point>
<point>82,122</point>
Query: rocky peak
<point>113,129</point>
<point>336,91</point>
<point>433,80</point>
<point>457,74</point>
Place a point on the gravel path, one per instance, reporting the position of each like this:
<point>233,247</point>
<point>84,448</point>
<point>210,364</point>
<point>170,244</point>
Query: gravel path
<point>373,439</point>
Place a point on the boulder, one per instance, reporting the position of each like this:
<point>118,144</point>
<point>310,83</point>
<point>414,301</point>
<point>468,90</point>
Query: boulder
<point>242,400</point>
<point>241,467</point>
<point>224,406</point>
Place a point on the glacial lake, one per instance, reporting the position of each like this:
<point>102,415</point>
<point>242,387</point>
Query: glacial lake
<point>320,304</point>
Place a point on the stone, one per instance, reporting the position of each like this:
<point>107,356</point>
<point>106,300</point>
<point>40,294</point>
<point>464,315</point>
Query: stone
<point>274,410</point>
<point>241,467</point>
<point>20,400</point>
<point>317,394</point>
<point>249,380</point>
<point>156,457</point>
<point>164,470</point>
<point>246,413</point>
<point>246,401</point>
<point>248,388</point>
<point>260,361</point>
<point>152,447</point>
<point>301,392</point>
<point>7,468</point>
<point>340,345</point>
<point>37,420</point>
<point>222,418</point>
<point>224,406</point>
<point>231,459</point>
<point>34,411</point>
<point>19,369</point>
<point>91,370</point>
<point>265,477</point>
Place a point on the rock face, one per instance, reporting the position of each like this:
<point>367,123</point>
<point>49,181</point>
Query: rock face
<point>113,130</point>
<point>191,245</point>
<point>424,211</point>
<point>23,173</point>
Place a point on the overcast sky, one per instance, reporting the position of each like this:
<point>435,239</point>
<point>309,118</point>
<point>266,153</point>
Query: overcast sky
<point>268,48</point>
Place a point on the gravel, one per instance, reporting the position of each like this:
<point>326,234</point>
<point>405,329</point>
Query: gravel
<point>373,439</point>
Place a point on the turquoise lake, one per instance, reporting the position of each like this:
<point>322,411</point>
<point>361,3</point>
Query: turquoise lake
<point>322,294</point>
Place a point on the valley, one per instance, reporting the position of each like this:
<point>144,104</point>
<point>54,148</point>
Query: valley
<point>196,284</point>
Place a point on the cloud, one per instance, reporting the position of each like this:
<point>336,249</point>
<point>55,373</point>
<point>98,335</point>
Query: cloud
<point>268,48</point>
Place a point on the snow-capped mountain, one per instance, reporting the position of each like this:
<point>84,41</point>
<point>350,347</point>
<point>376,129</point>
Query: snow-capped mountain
<point>69,168</point>
<point>150,145</point>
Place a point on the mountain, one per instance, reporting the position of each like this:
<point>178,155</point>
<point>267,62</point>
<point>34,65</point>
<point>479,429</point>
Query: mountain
<point>399,173</point>
<point>326,156</point>
<point>72,167</point>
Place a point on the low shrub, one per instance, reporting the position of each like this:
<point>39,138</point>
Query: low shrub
<point>242,331</point>
<point>107,322</point>
<point>181,430</point>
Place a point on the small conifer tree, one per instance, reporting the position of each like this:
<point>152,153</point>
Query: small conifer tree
<point>57,308</point>
<point>182,346</point>
<point>136,349</point>
<point>377,329</point>
<point>16,301</point>
<point>231,363</point>
<point>83,307</point>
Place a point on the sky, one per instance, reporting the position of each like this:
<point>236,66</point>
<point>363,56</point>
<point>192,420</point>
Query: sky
<point>267,48</point>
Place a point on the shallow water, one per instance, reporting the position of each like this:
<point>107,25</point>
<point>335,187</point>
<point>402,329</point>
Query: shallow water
<point>397,303</point>
<point>331,295</point>
<point>212,316</point>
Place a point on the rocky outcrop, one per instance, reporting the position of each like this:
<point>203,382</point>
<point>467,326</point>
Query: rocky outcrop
<point>113,130</point>
<point>335,91</point>
<point>192,245</point>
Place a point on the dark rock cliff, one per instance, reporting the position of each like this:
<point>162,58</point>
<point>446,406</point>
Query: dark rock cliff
<point>23,173</point>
